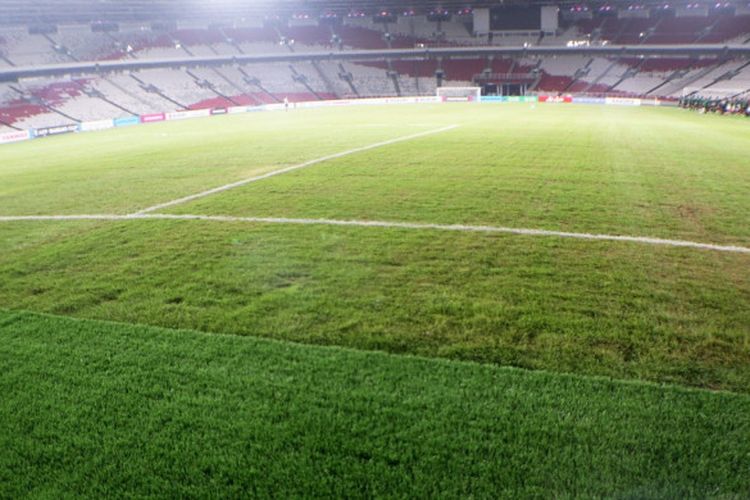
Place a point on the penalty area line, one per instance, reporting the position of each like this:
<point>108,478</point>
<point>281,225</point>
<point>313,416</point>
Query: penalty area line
<point>646,240</point>
<point>292,168</point>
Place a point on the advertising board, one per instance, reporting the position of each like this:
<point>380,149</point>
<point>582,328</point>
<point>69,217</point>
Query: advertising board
<point>96,125</point>
<point>15,136</point>
<point>127,121</point>
<point>151,118</point>
<point>57,130</point>
<point>184,115</point>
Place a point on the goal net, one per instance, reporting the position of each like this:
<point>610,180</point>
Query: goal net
<point>459,94</point>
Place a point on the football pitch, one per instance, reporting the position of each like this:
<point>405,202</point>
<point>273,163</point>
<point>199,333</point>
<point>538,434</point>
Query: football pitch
<point>605,249</point>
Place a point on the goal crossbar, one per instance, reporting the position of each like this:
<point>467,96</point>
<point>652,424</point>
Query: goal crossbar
<point>459,94</point>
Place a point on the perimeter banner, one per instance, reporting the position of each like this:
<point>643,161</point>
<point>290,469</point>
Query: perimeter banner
<point>555,98</point>
<point>154,117</point>
<point>184,115</point>
<point>521,98</point>
<point>622,101</point>
<point>589,100</point>
<point>359,102</point>
<point>19,135</point>
<point>60,129</point>
<point>127,121</point>
<point>509,98</point>
<point>655,102</point>
<point>97,125</point>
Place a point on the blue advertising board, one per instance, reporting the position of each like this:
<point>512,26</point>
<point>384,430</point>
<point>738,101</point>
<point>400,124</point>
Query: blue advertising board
<point>127,121</point>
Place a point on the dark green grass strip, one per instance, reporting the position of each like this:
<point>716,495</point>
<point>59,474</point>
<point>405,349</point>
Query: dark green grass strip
<point>102,409</point>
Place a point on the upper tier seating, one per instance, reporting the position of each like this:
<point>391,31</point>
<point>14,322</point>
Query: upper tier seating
<point>44,102</point>
<point>79,43</point>
<point>667,30</point>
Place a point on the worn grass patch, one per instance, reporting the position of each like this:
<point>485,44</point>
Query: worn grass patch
<point>663,314</point>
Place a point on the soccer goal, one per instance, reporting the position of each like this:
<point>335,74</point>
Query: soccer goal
<point>459,94</point>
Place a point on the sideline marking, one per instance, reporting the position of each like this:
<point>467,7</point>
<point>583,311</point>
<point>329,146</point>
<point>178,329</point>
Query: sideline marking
<point>386,224</point>
<point>308,163</point>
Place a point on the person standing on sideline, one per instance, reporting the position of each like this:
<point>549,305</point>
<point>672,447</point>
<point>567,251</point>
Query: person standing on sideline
<point>286,104</point>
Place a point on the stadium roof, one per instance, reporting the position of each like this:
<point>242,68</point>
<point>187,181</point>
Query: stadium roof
<point>86,11</point>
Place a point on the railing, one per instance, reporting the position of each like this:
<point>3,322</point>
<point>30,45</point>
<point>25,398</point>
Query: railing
<point>99,67</point>
<point>504,77</point>
<point>604,95</point>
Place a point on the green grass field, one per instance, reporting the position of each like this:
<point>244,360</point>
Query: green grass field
<point>125,410</point>
<point>572,308</point>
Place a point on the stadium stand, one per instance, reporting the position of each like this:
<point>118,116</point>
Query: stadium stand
<point>45,102</point>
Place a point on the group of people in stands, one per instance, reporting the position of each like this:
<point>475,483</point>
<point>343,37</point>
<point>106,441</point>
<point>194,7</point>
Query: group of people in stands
<point>722,106</point>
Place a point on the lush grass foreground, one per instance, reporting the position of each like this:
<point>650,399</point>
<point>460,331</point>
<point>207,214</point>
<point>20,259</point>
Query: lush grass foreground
<point>102,409</point>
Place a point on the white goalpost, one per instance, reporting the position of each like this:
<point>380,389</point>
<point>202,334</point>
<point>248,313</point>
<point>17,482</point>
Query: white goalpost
<point>459,94</point>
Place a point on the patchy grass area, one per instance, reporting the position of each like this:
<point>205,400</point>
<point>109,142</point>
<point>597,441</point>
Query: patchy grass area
<point>95,409</point>
<point>619,309</point>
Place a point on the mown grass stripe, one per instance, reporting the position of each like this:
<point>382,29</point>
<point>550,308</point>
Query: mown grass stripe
<point>93,408</point>
<point>299,166</point>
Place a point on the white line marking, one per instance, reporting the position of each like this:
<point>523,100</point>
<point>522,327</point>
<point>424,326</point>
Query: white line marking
<point>20,218</point>
<point>385,224</point>
<point>308,163</point>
